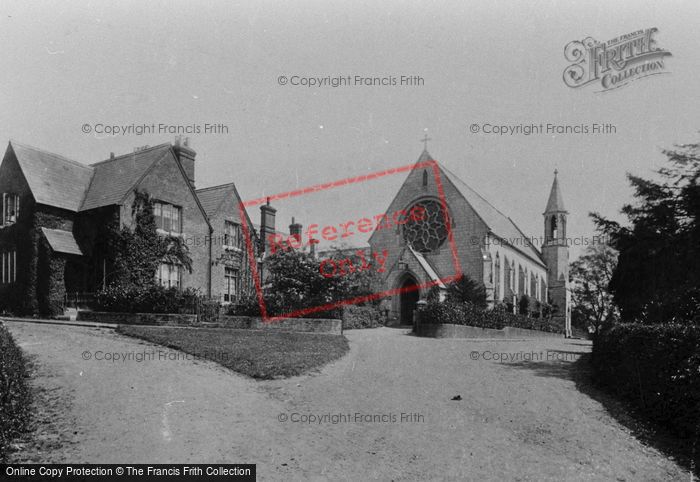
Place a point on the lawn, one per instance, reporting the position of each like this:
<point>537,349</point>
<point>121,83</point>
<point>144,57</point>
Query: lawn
<point>258,354</point>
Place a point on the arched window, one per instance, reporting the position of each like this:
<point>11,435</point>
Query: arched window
<point>543,290</point>
<point>553,226</point>
<point>563,226</point>
<point>522,281</point>
<point>497,286</point>
<point>506,277</point>
<point>425,178</point>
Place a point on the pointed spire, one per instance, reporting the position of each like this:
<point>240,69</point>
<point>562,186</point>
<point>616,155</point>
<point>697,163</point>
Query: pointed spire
<point>556,201</point>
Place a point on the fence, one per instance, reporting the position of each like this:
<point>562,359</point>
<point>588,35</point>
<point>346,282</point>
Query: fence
<point>79,300</point>
<point>207,310</point>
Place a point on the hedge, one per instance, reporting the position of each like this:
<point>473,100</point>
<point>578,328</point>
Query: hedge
<point>656,367</point>
<point>250,306</point>
<point>356,317</point>
<point>15,397</point>
<point>150,299</point>
<point>468,314</point>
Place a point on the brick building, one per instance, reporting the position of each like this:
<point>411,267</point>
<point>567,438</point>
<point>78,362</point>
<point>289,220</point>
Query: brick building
<point>489,246</point>
<point>55,210</point>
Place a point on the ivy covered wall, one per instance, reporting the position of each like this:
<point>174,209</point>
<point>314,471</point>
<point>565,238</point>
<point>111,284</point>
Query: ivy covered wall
<point>39,288</point>
<point>113,254</point>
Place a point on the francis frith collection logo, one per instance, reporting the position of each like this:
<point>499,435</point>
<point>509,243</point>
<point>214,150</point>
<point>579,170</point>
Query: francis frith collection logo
<point>615,63</point>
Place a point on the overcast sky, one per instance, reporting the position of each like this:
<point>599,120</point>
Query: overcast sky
<point>65,64</point>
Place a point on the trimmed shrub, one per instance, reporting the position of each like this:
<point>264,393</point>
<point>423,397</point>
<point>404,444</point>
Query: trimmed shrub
<point>656,367</point>
<point>150,299</point>
<point>15,396</point>
<point>466,290</point>
<point>451,312</point>
<point>357,317</point>
<point>524,305</point>
<point>277,306</point>
<point>246,306</point>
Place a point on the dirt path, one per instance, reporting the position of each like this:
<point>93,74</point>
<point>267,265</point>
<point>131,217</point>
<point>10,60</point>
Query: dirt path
<point>518,420</point>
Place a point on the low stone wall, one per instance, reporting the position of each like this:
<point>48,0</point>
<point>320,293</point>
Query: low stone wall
<point>166,319</point>
<point>464,331</point>
<point>309,325</point>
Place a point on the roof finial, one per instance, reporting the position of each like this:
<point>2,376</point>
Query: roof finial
<point>425,141</point>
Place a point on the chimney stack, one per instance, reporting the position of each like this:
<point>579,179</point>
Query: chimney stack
<point>267,225</point>
<point>186,156</point>
<point>295,230</point>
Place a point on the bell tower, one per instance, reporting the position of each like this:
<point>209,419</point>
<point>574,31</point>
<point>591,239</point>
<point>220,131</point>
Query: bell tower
<point>555,251</point>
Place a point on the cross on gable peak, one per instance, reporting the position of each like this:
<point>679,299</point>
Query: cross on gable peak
<point>425,141</point>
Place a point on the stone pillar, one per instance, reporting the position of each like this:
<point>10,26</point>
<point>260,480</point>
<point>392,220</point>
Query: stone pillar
<point>420,304</point>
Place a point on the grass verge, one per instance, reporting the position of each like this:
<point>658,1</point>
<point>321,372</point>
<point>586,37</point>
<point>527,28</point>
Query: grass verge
<point>258,354</point>
<point>15,395</point>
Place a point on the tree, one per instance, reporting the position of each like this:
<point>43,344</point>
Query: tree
<point>657,277</point>
<point>467,290</point>
<point>360,281</point>
<point>296,281</point>
<point>590,275</point>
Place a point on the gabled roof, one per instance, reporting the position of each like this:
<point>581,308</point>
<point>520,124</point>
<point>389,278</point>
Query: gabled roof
<point>556,201</point>
<point>114,178</point>
<point>213,197</point>
<point>62,241</point>
<point>63,183</point>
<point>427,267</point>
<point>424,157</point>
<point>497,222</point>
<point>54,180</point>
<point>58,181</point>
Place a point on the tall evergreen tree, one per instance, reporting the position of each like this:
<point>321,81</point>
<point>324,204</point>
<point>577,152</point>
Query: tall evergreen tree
<point>657,278</point>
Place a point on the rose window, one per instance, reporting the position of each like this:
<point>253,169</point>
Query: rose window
<point>427,226</point>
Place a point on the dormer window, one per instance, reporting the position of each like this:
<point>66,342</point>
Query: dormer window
<point>168,217</point>
<point>10,208</point>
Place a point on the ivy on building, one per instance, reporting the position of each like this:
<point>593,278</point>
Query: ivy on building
<point>139,250</point>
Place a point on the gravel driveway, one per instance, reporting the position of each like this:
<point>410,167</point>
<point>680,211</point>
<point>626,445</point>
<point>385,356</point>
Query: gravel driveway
<point>384,411</point>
